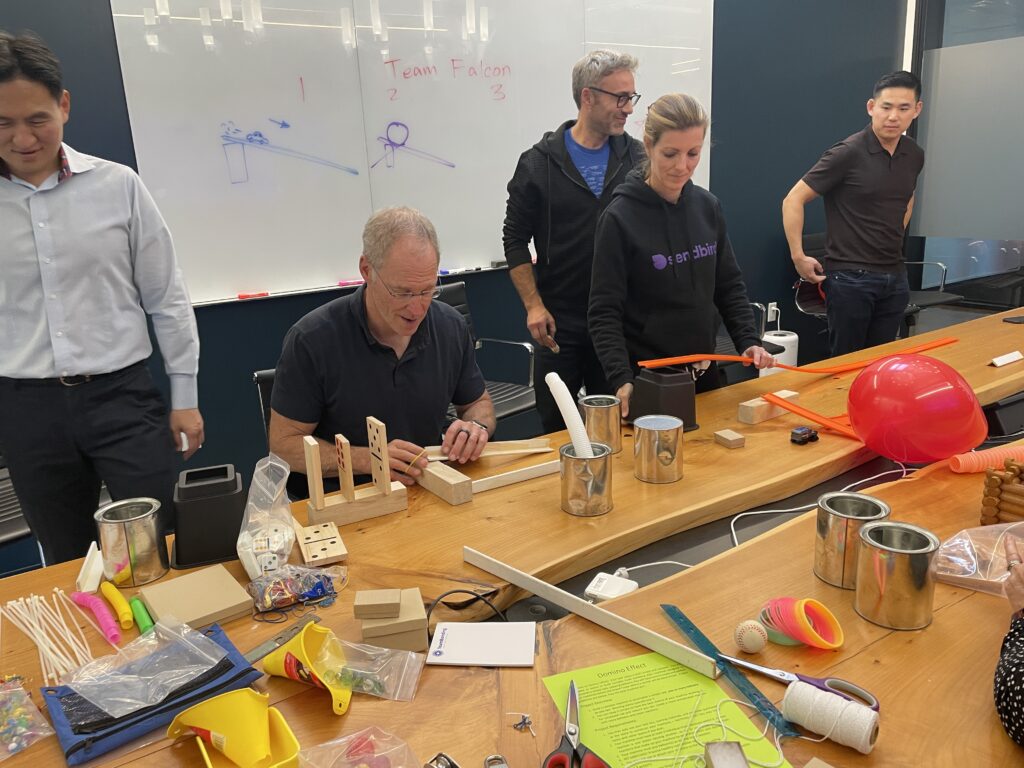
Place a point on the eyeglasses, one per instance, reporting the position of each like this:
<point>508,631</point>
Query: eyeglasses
<point>432,293</point>
<point>621,99</point>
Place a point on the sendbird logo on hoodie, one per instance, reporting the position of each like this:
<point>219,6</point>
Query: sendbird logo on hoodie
<point>661,261</point>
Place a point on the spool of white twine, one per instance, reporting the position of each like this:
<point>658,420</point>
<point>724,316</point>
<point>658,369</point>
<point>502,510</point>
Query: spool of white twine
<point>843,721</point>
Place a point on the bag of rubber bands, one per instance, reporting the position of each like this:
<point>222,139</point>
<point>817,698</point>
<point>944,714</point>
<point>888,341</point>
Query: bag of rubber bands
<point>976,557</point>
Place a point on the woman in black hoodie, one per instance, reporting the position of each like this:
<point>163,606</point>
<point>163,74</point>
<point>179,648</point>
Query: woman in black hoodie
<point>664,271</point>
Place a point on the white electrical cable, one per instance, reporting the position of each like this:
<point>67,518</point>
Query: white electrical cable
<point>903,470</point>
<point>624,572</point>
<point>570,415</point>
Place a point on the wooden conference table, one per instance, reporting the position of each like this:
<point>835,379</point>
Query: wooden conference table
<point>935,684</point>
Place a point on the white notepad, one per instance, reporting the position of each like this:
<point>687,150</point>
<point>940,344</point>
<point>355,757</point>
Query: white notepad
<point>491,644</point>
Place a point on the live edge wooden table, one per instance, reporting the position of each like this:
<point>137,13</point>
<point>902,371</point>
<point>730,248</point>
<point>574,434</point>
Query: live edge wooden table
<point>935,684</point>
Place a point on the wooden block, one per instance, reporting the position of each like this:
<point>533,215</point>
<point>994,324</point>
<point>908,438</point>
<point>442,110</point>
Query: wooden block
<point>368,503</point>
<point>198,598</point>
<point>516,476</point>
<point>447,482</point>
<point>344,451</point>
<point>730,438</point>
<point>377,604</point>
<point>380,461</point>
<point>724,754</point>
<point>319,544</point>
<point>500,448</point>
<point>757,410</point>
<point>414,640</point>
<point>311,448</point>
<point>411,615</point>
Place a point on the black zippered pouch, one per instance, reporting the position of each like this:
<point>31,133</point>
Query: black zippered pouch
<point>85,731</point>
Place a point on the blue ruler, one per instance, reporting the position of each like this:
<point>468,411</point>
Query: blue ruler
<point>737,678</point>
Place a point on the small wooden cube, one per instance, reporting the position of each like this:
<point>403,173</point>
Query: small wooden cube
<point>378,604</point>
<point>730,438</point>
<point>757,410</point>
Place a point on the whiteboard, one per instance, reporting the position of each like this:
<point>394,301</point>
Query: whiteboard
<point>268,133</point>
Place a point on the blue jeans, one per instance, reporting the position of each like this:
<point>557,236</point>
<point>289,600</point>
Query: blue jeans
<point>864,308</point>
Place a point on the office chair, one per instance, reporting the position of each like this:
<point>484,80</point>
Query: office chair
<point>810,299</point>
<point>509,398</point>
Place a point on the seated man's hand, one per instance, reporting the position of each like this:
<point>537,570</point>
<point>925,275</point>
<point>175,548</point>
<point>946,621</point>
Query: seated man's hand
<point>405,467</point>
<point>464,441</point>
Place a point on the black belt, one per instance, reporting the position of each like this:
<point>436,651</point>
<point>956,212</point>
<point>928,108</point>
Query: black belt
<point>72,381</point>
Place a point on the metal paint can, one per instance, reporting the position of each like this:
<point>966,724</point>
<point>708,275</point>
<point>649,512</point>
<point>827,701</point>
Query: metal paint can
<point>895,587</point>
<point>586,483</point>
<point>658,449</point>
<point>840,517</point>
<point>134,550</point>
<point>601,417</point>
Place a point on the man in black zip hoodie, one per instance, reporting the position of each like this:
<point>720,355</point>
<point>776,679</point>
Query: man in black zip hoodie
<point>560,187</point>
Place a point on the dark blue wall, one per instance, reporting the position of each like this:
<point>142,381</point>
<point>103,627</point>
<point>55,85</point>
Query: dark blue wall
<point>790,78</point>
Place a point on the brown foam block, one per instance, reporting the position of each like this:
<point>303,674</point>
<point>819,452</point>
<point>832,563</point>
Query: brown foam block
<point>411,616</point>
<point>378,604</point>
<point>413,640</point>
<point>199,598</point>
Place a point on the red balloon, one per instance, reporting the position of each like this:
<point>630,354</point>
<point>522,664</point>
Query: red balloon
<point>915,409</point>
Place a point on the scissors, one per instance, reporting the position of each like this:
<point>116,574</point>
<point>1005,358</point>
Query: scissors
<point>572,752</point>
<point>835,685</point>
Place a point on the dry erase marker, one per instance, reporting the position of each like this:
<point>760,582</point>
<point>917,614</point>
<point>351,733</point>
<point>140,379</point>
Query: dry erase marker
<point>347,283</point>
<point>258,295</point>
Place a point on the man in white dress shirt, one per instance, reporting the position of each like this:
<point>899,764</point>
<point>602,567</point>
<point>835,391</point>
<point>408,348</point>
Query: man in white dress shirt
<point>86,257</point>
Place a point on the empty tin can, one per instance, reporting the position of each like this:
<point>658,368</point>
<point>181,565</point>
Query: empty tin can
<point>658,449</point>
<point>895,587</point>
<point>840,517</point>
<point>601,417</point>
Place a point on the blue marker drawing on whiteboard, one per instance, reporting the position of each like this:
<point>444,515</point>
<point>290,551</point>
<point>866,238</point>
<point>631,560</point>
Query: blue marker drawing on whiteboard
<point>280,123</point>
<point>236,143</point>
<point>394,139</point>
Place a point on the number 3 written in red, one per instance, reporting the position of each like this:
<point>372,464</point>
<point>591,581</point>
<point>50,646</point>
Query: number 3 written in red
<point>497,92</point>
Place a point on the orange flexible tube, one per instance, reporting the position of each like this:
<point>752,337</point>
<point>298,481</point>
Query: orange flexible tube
<point>833,369</point>
<point>979,461</point>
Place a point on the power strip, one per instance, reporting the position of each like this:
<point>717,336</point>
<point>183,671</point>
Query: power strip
<point>605,586</point>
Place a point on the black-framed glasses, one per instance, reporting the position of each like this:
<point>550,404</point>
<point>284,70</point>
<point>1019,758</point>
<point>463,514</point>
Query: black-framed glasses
<point>432,293</point>
<point>621,99</point>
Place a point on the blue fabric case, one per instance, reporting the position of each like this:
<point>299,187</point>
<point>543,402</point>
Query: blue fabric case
<point>81,747</point>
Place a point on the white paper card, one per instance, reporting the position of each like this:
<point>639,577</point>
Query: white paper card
<point>490,644</point>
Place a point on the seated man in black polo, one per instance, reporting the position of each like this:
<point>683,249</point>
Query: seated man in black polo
<point>387,350</point>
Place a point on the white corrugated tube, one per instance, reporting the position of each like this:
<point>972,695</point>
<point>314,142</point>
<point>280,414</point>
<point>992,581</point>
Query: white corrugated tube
<point>570,415</point>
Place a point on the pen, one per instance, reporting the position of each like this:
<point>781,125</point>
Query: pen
<point>257,295</point>
<point>346,283</point>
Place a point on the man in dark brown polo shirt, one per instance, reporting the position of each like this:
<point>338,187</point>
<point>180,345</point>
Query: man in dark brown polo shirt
<point>868,182</point>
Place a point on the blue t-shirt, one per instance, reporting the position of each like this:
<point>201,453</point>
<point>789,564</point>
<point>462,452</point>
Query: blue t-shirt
<point>591,163</point>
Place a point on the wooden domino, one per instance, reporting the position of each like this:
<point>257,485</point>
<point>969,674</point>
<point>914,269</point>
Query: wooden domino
<point>729,438</point>
<point>319,544</point>
<point>757,410</point>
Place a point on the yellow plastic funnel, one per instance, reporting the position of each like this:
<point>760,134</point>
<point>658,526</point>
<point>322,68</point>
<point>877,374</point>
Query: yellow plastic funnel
<point>295,659</point>
<point>241,729</point>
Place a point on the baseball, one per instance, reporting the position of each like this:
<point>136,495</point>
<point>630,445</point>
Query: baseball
<point>750,636</point>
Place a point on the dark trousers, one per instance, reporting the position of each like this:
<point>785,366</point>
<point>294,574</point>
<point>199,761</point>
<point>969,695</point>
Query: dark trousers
<point>864,308</point>
<point>60,442</point>
<point>577,364</point>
